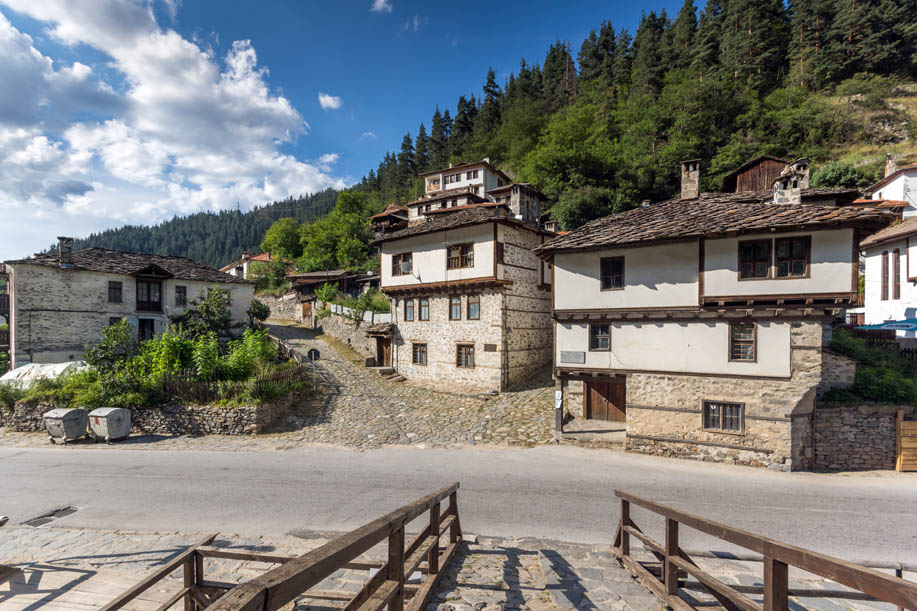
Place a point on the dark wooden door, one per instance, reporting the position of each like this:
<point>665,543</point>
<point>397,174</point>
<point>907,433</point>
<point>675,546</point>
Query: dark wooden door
<point>384,351</point>
<point>606,401</point>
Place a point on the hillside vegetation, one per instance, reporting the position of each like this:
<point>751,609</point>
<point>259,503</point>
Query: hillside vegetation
<point>604,127</point>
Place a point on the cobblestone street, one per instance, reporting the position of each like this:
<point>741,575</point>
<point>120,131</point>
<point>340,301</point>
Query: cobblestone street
<point>354,407</point>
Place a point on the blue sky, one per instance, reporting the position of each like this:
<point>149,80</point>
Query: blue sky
<point>125,111</point>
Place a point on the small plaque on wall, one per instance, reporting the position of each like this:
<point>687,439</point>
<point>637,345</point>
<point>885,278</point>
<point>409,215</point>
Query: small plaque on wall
<point>490,347</point>
<point>578,358</point>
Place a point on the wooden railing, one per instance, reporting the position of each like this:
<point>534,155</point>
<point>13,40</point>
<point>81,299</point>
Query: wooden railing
<point>777,557</point>
<point>285,350</point>
<point>298,575</point>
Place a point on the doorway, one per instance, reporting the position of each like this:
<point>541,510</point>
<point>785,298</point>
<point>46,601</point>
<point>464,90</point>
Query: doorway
<point>606,401</point>
<point>383,351</point>
<point>145,329</point>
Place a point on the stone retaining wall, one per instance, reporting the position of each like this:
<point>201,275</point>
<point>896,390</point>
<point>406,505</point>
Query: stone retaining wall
<point>855,437</point>
<point>348,331</point>
<point>166,420</point>
<point>286,307</point>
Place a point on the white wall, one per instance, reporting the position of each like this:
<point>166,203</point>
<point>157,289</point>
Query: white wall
<point>879,310</point>
<point>830,269</point>
<point>429,256</point>
<point>654,276</point>
<point>895,189</point>
<point>678,347</point>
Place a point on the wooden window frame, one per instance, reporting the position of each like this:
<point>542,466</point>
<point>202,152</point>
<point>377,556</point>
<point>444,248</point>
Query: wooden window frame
<point>594,336</point>
<point>423,303</point>
<point>469,301</point>
<point>113,320</point>
<point>754,342</point>
<point>414,352</point>
<point>885,276</point>
<point>896,270</point>
<point>705,403</point>
<point>148,305</point>
<point>115,285</point>
<point>808,258</point>
<point>451,298</point>
<point>461,260</point>
<point>183,291</point>
<point>458,355</point>
<point>398,259</point>
<point>770,259</point>
<point>602,274</point>
<point>409,302</point>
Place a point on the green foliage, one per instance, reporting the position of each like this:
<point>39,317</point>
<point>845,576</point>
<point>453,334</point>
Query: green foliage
<point>9,395</point>
<point>269,277</point>
<point>282,239</point>
<point>341,239</point>
<point>838,174</point>
<point>327,293</point>
<point>117,345</point>
<point>205,355</point>
<point>209,313</point>
<point>883,375</point>
<point>257,310</point>
<point>4,362</point>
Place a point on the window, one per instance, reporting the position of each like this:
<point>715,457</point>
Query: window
<point>240,272</point>
<point>742,342</point>
<point>113,320</point>
<point>599,337</point>
<point>455,308</point>
<point>402,264</point>
<point>467,175</point>
<point>419,354</point>
<point>146,329</point>
<point>115,292</point>
<point>896,270</point>
<point>792,257</point>
<point>424,308</point>
<point>754,259</point>
<point>408,309</point>
<point>149,295</point>
<point>464,356</point>
<point>884,275</point>
<point>474,307</point>
<point>720,416</point>
<point>181,295</point>
<point>474,174</point>
<point>460,255</point>
<point>613,273</point>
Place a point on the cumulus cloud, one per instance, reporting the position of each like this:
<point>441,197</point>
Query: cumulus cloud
<point>327,160</point>
<point>381,6</point>
<point>182,129</point>
<point>329,102</point>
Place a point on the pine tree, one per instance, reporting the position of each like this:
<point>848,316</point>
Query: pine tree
<point>421,150</point>
<point>683,32</point>
<point>706,50</point>
<point>439,139</point>
<point>608,49</point>
<point>407,168</point>
<point>754,42</point>
<point>489,116</point>
<point>811,22</point>
<point>624,59</point>
<point>648,68</point>
<point>590,58</point>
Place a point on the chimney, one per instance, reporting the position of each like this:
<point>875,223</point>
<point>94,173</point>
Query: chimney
<point>786,186</point>
<point>65,251</point>
<point>890,167</point>
<point>245,255</point>
<point>645,203</point>
<point>801,168</point>
<point>487,160</point>
<point>690,179</point>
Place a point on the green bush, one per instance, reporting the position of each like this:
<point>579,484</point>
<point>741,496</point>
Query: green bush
<point>9,395</point>
<point>327,293</point>
<point>883,375</point>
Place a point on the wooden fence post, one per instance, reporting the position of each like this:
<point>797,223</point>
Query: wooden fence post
<point>188,582</point>
<point>776,585</point>
<point>455,531</point>
<point>396,568</point>
<point>433,562</point>
<point>625,521</point>
<point>671,551</point>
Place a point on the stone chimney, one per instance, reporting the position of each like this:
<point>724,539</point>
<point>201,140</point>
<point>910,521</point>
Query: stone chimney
<point>65,251</point>
<point>787,185</point>
<point>245,255</point>
<point>645,203</point>
<point>801,168</point>
<point>690,179</point>
<point>890,166</point>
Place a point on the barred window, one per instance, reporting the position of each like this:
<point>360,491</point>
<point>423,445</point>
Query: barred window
<point>115,292</point>
<point>474,307</point>
<point>754,259</point>
<point>612,273</point>
<point>464,356</point>
<point>455,308</point>
<point>742,342</point>
<point>424,308</point>
<point>419,354</point>
<point>460,255</point>
<point>792,256</point>
<point>408,309</point>
<point>721,416</point>
<point>599,337</point>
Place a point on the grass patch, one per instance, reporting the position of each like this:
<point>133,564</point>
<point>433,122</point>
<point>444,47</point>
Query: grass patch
<point>883,375</point>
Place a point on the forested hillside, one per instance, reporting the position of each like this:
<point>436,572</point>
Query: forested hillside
<point>212,238</point>
<point>604,127</point>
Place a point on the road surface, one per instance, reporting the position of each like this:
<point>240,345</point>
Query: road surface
<point>556,492</point>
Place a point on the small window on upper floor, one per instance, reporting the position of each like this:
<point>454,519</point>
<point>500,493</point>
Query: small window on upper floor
<point>612,273</point>
<point>792,256</point>
<point>115,292</point>
<point>599,338</point>
<point>474,307</point>
<point>742,338</point>
<point>460,255</point>
<point>402,264</point>
<point>409,310</point>
<point>181,295</point>
<point>455,308</point>
<point>754,259</point>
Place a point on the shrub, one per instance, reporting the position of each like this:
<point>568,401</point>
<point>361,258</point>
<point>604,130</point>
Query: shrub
<point>327,293</point>
<point>9,395</point>
<point>209,314</point>
<point>257,310</point>
<point>883,375</point>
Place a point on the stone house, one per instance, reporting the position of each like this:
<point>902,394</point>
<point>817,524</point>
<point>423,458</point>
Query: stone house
<point>242,267</point>
<point>62,302</point>
<point>470,301</point>
<point>700,322</point>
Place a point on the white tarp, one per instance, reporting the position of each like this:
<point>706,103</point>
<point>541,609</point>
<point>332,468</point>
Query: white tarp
<point>23,377</point>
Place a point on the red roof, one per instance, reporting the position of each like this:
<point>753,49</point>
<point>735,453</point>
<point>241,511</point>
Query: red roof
<point>391,209</point>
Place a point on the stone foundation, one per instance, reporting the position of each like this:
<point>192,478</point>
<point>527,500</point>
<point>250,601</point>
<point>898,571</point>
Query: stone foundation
<point>352,333</point>
<point>286,307</point>
<point>837,371</point>
<point>855,437</point>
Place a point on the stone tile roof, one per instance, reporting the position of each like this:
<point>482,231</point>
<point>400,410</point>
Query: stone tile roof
<point>899,230</point>
<point>442,222</point>
<point>446,195</point>
<point>392,208</point>
<point>130,263</point>
<point>710,214</point>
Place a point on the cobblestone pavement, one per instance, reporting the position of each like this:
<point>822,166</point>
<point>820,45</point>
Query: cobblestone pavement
<point>66,568</point>
<point>353,406</point>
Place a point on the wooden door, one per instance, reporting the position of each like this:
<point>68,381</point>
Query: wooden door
<point>606,401</point>
<point>383,352</point>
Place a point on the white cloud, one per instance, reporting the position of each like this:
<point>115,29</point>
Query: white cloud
<point>327,160</point>
<point>182,130</point>
<point>368,136</point>
<point>414,23</point>
<point>329,102</point>
<point>172,7</point>
<point>381,6</point>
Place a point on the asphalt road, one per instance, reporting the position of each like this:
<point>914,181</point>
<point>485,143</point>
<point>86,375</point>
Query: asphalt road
<point>560,493</point>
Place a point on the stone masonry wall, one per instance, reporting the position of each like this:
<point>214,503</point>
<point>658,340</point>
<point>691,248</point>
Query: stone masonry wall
<point>165,420</point>
<point>664,412</point>
<point>286,307</point>
<point>838,371</point>
<point>855,437</point>
<point>348,331</point>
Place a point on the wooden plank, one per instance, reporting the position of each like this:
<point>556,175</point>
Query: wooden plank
<point>381,597</point>
<point>671,551</point>
<point>776,585</point>
<point>883,587</point>
<point>414,560</point>
<point>7,573</point>
<point>650,581</point>
<point>328,595</point>
<point>199,597</point>
<point>446,524</point>
<point>369,588</point>
<point>422,597</point>
<point>715,585</point>
<point>238,554</point>
<point>175,598</point>
<point>396,569</point>
<point>156,576</point>
<point>648,543</point>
